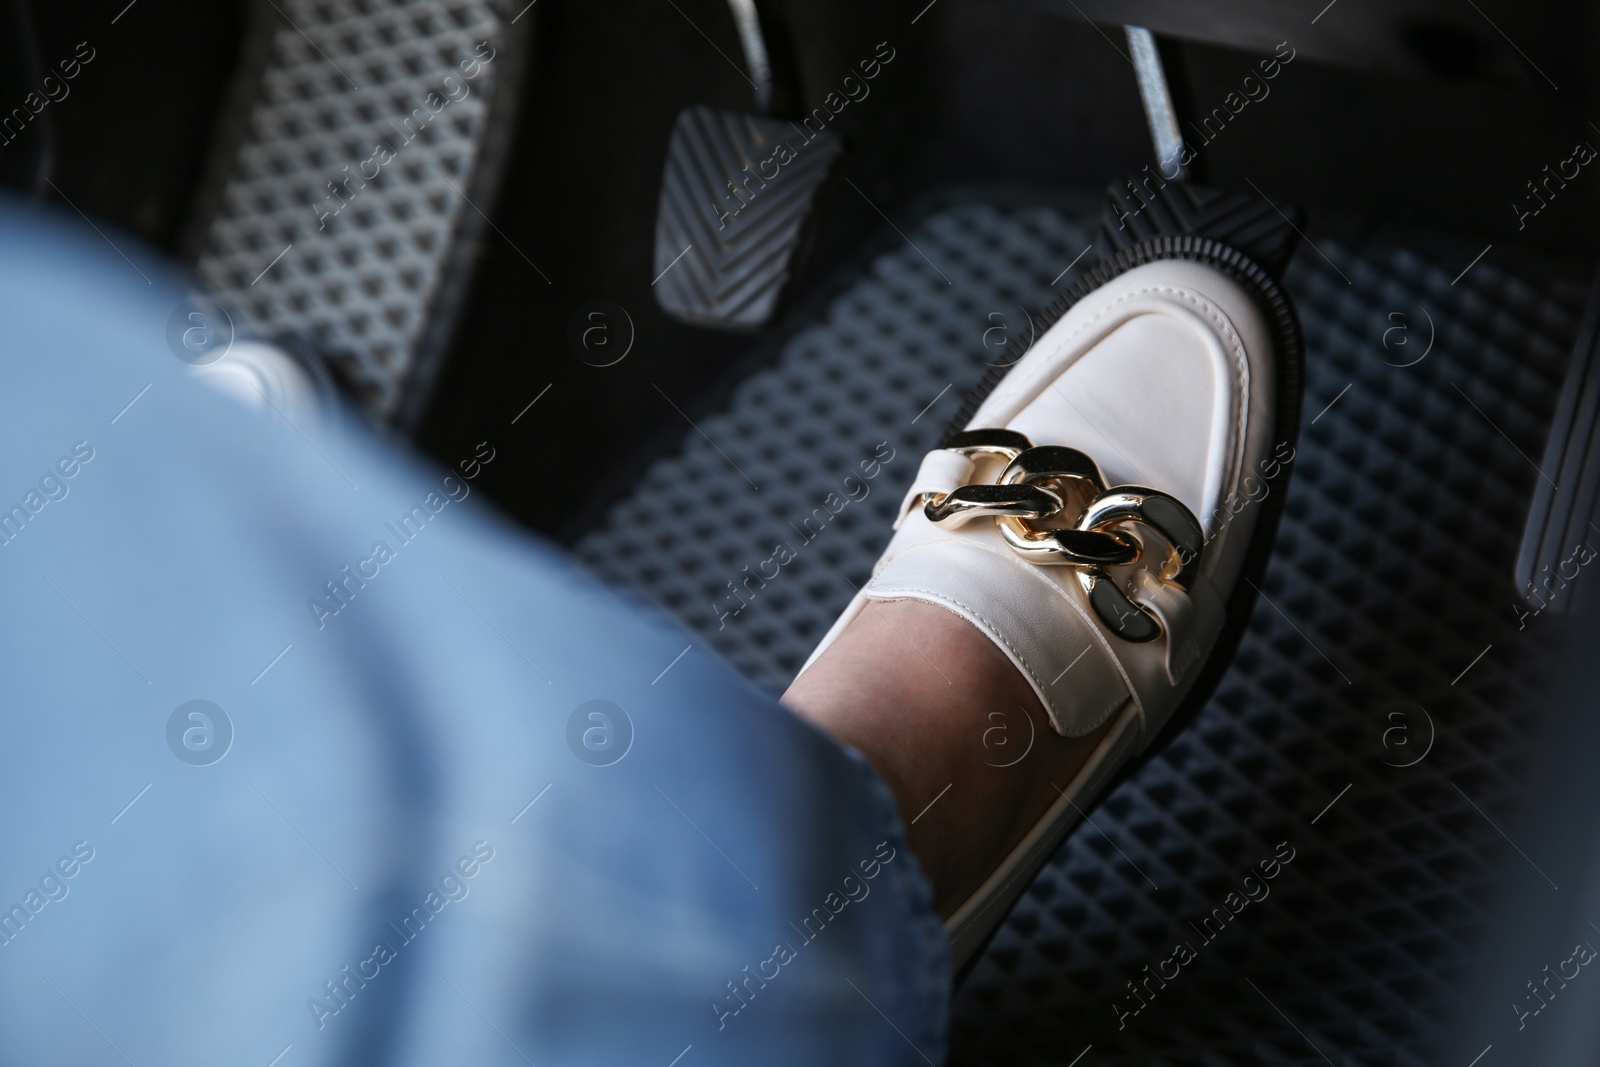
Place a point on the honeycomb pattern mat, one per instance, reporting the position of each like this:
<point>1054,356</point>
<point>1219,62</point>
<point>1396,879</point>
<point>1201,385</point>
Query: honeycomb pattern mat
<point>1375,720</point>
<point>341,200</point>
<point>874,382</point>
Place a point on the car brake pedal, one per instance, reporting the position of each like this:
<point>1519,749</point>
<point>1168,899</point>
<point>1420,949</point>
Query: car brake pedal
<point>738,194</point>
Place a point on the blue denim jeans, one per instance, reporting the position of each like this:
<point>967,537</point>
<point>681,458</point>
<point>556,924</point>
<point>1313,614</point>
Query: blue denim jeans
<point>309,754</point>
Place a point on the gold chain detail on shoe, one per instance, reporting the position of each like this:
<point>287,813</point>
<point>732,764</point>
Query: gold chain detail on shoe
<point>1031,490</point>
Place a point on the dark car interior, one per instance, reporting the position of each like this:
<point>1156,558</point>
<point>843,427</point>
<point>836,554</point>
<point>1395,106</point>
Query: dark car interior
<point>685,264</point>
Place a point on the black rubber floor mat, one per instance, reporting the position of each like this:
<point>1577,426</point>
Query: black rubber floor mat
<point>873,382</point>
<point>1377,716</point>
<point>1386,634</point>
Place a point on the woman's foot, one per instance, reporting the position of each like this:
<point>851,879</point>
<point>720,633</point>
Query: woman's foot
<point>1069,573</point>
<point>951,726</point>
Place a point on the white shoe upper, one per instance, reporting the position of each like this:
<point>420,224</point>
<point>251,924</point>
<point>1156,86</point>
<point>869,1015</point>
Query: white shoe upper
<point>1165,376</point>
<point>258,375</point>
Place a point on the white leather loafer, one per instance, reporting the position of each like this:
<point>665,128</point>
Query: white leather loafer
<point>1105,514</point>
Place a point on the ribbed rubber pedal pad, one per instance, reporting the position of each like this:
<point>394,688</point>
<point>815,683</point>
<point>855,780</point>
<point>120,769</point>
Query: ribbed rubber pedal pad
<point>1147,206</point>
<point>738,194</point>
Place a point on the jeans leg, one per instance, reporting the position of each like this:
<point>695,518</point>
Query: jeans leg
<point>446,798</point>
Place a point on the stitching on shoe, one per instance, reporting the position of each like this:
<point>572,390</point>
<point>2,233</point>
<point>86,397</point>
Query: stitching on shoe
<point>1009,560</point>
<point>1234,345</point>
<point>996,632</point>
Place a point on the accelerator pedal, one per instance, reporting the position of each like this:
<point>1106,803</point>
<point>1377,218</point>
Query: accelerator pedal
<point>1145,206</point>
<point>1171,199</point>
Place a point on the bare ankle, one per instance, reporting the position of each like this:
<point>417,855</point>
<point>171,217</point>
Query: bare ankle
<point>951,725</point>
